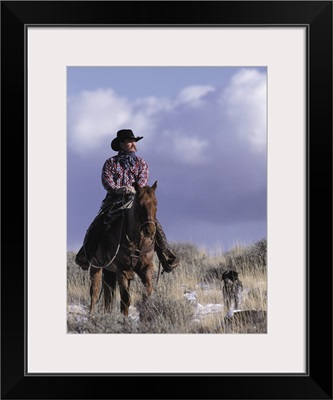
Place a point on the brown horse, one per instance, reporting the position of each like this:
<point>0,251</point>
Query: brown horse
<point>126,249</point>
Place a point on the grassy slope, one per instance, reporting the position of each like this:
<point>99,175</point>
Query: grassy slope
<point>188,300</point>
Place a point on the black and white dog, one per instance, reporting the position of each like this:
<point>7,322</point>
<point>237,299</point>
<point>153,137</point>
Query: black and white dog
<point>232,288</point>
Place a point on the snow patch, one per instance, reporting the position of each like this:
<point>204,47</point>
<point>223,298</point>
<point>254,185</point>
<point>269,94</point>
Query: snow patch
<point>78,313</point>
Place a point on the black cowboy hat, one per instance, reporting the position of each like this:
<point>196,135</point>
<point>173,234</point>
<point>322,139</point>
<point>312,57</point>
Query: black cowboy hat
<point>122,135</point>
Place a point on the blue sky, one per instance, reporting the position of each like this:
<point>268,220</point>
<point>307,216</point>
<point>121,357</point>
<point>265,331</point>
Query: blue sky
<point>204,132</point>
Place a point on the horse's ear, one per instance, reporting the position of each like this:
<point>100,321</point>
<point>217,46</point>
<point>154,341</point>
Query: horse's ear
<point>154,186</point>
<point>136,186</point>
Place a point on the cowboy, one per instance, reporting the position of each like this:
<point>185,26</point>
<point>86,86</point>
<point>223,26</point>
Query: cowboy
<point>119,173</point>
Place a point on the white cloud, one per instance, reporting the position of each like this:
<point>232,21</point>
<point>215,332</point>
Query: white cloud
<point>194,94</point>
<point>245,103</point>
<point>189,150</point>
<point>196,120</point>
<point>92,116</point>
<point>96,116</point>
<point>152,105</point>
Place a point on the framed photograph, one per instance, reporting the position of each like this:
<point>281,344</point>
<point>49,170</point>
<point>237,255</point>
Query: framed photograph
<point>270,80</point>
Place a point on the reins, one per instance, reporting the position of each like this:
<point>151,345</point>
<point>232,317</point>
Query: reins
<point>112,214</point>
<point>136,253</point>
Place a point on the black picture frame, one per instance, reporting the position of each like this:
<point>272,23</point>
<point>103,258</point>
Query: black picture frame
<point>316,16</point>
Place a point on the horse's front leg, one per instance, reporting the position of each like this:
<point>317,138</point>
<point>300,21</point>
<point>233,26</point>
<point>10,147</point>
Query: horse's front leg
<point>124,278</point>
<point>96,276</point>
<point>109,288</point>
<point>146,275</point>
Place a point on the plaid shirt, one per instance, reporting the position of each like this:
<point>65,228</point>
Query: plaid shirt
<point>115,174</point>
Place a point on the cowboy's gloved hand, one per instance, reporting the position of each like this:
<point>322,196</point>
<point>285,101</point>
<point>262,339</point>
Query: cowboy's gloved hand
<point>121,190</point>
<point>130,190</point>
<point>125,190</point>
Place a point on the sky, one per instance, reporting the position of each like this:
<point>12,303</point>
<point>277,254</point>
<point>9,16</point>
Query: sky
<point>204,139</point>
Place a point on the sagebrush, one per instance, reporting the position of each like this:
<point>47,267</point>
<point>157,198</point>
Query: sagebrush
<point>187,300</point>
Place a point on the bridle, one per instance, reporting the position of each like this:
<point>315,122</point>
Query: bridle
<point>146,223</point>
<point>135,254</point>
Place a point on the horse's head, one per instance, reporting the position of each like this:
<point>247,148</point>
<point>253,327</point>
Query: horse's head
<point>145,204</point>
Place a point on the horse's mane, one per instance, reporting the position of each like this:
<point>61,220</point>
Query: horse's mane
<point>146,190</point>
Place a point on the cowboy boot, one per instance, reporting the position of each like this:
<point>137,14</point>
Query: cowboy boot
<point>167,258</point>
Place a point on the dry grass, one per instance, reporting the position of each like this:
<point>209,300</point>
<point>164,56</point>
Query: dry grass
<point>188,300</point>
